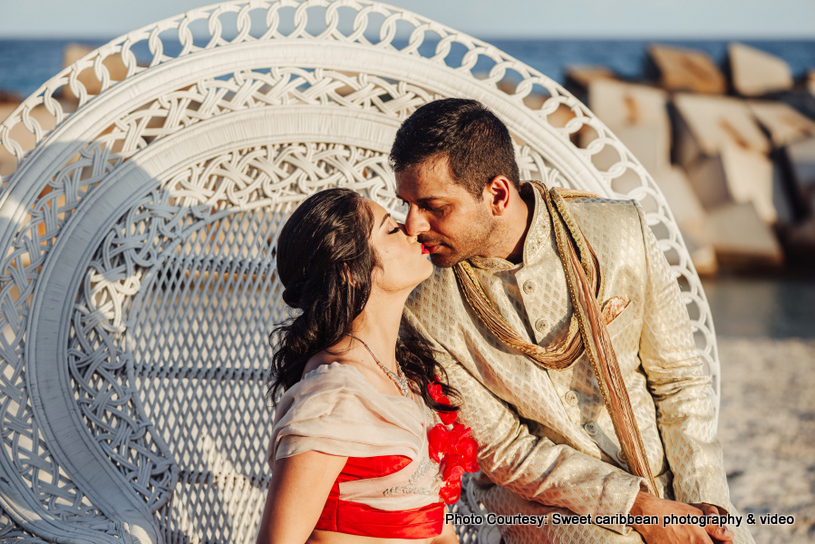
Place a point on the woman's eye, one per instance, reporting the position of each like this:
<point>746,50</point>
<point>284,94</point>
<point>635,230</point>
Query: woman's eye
<point>394,231</point>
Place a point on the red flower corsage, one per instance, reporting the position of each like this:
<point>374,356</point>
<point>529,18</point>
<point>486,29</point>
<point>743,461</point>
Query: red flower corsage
<point>452,447</point>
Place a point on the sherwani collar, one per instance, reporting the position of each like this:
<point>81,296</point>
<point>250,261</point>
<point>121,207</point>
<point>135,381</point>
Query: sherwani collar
<point>536,237</point>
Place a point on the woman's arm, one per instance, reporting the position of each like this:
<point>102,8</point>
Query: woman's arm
<point>447,536</point>
<point>297,495</point>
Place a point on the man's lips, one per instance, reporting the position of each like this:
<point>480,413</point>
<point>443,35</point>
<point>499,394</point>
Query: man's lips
<point>430,246</point>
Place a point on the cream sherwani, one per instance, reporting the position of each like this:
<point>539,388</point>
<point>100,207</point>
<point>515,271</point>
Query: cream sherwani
<point>546,436</point>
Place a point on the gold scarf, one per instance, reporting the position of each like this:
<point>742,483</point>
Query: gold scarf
<point>587,328</point>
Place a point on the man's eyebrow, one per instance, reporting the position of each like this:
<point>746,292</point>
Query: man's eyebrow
<point>387,215</point>
<point>425,199</point>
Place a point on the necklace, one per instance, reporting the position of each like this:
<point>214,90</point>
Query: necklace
<point>400,380</point>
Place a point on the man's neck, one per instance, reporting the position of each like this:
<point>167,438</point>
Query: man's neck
<point>519,226</point>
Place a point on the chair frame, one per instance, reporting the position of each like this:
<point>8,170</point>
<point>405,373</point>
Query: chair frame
<point>101,199</point>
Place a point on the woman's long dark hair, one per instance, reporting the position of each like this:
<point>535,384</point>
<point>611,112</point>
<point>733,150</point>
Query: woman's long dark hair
<point>325,262</point>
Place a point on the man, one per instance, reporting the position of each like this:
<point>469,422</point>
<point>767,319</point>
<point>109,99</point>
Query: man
<point>547,442</point>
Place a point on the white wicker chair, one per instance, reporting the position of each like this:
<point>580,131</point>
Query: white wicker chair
<point>136,283</point>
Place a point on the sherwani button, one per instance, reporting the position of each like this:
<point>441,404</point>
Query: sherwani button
<point>530,287</point>
<point>540,325</point>
<point>621,456</point>
<point>591,428</point>
<point>571,398</point>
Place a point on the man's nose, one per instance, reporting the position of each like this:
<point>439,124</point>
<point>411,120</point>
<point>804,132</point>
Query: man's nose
<point>410,237</point>
<point>415,223</point>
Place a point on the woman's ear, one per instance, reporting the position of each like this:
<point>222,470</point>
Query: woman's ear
<point>346,274</point>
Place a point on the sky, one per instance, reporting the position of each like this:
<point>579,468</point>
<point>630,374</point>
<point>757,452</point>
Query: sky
<point>720,19</point>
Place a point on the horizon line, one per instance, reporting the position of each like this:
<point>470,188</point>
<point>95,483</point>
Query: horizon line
<point>503,37</point>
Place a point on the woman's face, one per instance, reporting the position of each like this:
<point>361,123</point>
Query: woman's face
<point>404,262</point>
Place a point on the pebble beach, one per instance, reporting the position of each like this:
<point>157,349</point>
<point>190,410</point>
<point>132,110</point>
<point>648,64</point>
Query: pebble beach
<point>767,430</point>
<point>767,417</point>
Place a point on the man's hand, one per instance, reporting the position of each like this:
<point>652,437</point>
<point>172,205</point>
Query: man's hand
<point>649,505</point>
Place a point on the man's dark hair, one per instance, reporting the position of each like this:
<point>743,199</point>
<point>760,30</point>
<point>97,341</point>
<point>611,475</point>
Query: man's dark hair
<point>475,142</point>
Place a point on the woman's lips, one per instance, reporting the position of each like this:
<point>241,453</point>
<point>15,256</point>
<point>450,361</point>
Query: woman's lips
<point>425,251</point>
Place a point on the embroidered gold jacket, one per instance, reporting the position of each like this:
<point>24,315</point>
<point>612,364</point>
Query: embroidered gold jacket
<point>546,435</point>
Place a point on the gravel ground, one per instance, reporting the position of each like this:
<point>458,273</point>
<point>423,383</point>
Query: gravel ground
<point>767,430</point>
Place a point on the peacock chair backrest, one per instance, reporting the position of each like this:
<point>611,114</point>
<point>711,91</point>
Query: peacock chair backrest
<point>138,225</point>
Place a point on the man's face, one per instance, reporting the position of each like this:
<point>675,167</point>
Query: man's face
<point>450,223</point>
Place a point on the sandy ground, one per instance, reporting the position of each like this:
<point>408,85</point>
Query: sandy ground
<point>767,429</point>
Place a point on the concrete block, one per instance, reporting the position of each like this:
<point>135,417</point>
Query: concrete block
<point>802,159</point>
<point>755,72</point>
<point>690,216</point>
<point>707,177</point>
<point>784,124</point>
<point>741,238</point>
<point>687,70</point>
<point>735,175</point>
<point>637,114</point>
<point>684,204</point>
<point>585,75</point>
<point>749,177</point>
<point>715,121</point>
<point>701,250</point>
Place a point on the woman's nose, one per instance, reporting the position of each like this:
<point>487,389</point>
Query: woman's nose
<point>410,238</point>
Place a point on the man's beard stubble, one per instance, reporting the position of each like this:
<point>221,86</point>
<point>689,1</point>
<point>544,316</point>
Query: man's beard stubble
<point>477,242</point>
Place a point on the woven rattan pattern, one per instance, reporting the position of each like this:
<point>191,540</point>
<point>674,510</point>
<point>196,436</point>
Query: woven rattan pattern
<point>99,352</point>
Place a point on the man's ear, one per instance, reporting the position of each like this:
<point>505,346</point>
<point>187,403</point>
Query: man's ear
<point>497,193</point>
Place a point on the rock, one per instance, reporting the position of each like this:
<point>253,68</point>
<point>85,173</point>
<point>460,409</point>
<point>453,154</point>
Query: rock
<point>585,75</point>
<point>797,163</point>
<point>637,114</point>
<point>725,153</point>
<point>790,202</point>
<point>784,124</point>
<point>737,175</point>
<point>690,216</point>
<point>73,52</point>
<point>687,70</point>
<point>701,251</point>
<point>685,205</point>
<point>799,243</point>
<point>802,159</point>
<point>741,238</point>
<point>798,99</point>
<point>8,97</point>
<point>708,179</point>
<point>710,122</point>
<point>749,177</point>
<point>755,72</point>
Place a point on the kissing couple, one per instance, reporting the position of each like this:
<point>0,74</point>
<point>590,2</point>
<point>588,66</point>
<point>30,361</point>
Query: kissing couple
<point>534,333</point>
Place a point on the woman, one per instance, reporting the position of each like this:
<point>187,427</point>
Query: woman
<point>354,451</point>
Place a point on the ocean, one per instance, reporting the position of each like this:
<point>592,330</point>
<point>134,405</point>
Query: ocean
<point>25,64</point>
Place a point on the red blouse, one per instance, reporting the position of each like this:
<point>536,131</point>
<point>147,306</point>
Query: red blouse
<point>360,519</point>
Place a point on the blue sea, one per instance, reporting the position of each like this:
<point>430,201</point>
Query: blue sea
<point>27,64</point>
